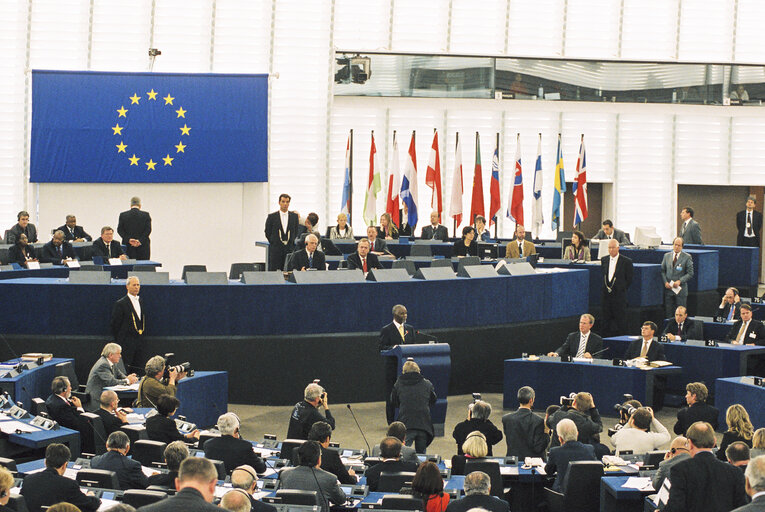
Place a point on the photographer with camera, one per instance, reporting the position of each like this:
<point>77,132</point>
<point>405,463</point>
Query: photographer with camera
<point>580,409</point>
<point>306,412</point>
<point>635,435</point>
<point>625,411</point>
<point>156,383</point>
<point>477,419</point>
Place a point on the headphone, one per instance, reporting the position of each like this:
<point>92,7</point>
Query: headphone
<point>476,435</point>
<point>244,468</point>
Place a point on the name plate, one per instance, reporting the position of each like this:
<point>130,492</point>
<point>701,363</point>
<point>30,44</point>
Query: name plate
<point>115,261</point>
<point>549,359</point>
<point>33,265</point>
<point>72,263</point>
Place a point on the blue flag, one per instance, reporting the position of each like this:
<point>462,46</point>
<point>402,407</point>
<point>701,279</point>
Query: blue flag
<point>98,127</point>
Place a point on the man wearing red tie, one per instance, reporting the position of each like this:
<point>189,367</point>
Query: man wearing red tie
<point>362,258</point>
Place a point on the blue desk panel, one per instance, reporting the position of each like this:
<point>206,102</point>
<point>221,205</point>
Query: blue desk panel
<point>554,379</point>
<point>36,381</point>
<point>53,306</point>
<point>712,330</point>
<point>739,266</point>
<point>735,390</point>
<point>62,272</point>
<point>43,438</point>
<point>615,498</point>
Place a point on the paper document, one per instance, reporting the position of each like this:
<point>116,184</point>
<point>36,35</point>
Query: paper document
<point>70,473</point>
<point>123,387</point>
<point>639,483</point>
<point>107,504</point>
<point>508,470</point>
<point>220,490</point>
<point>269,472</point>
<point>10,427</point>
<point>134,418</point>
<point>148,471</point>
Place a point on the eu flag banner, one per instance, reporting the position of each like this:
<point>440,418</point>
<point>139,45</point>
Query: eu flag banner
<point>101,127</point>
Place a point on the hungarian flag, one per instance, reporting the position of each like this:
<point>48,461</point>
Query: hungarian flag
<point>579,187</point>
<point>409,184</point>
<point>494,203</point>
<point>433,177</point>
<point>476,205</point>
<point>455,202</point>
<point>392,206</point>
<point>373,187</point>
<point>515,211</point>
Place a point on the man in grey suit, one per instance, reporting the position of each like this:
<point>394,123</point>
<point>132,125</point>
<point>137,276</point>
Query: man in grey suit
<point>398,430</point>
<point>690,230</point>
<point>524,430</point>
<point>608,232</point>
<point>107,371</point>
<point>678,452</point>
<point>755,485</point>
<point>309,476</point>
<point>196,482</point>
<point>676,271</point>
<point>22,226</point>
<point>434,230</point>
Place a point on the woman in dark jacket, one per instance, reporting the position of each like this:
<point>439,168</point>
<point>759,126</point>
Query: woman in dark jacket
<point>413,394</point>
<point>161,427</point>
<point>474,449</point>
<point>467,246</point>
<point>740,428</point>
<point>428,485</point>
<point>478,419</point>
<point>21,252</point>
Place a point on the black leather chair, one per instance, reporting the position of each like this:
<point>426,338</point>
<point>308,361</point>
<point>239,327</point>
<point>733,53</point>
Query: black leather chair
<point>100,478</point>
<point>393,481</point>
<point>288,445</point>
<point>421,250</point>
<point>8,464</point>
<point>94,441</point>
<point>18,503</point>
<point>651,460</point>
<point>135,433</point>
<point>192,268</point>
<point>146,451</point>
<point>405,264</point>
<point>581,488</point>
<point>220,467</point>
<point>237,268</point>
<point>92,268</point>
<point>144,268</point>
<point>38,406</point>
<point>167,490</point>
<point>491,468</point>
<point>401,502</point>
<point>67,370</point>
<point>295,497</point>
<point>140,497</point>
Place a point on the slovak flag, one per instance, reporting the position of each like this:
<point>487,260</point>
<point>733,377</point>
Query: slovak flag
<point>494,202</point>
<point>515,208</point>
<point>580,187</point>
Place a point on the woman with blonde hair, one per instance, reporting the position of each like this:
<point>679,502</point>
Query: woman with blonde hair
<point>6,482</point>
<point>474,449</point>
<point>343,230</point>
<point>758,443</point>
<point>739,429</point>
<point>387,229</point>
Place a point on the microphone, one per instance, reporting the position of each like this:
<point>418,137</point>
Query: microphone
<point>8,345</point>
<point>428,337</point>
<point>369,450</point>
<point>599,352</point>
<point>323,498</point>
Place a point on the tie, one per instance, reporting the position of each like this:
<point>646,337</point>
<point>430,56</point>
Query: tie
<point>520,248</point>
<point>310,260</point>
<point>682,230</point>
<point>401,332</point>
<point>109,249</point>
<point>674,261</point>
<point>582,344</point>
<point>364,264</point>
<point>748,223</point>
<point>731,312</point>
<point>645,349</point>
<point>59,251</point>
<point>741,332</point>
<point>679,329</point>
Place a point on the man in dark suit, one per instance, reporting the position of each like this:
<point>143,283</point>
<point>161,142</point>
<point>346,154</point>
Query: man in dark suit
<point>749,224</point>
<point>755,485</point>
<point>50,486</point>
<point>390,452</point>
<point>128,323</point>
<point>690,230</point>
<point>321,432</point>
<point>648,346</point>
<point>703,482</point>
<point>230,447</point>
<point>175,453</point>
<point>63,407</point>
<point>196,483</point>
<point>115,459</point>
<point>698,410</point>
<point>676,271</point>
<point>398,430</point>
<point>309,476</point>
<point>608,232</point>
<point>746,331</point>
<point>570,450</point>
<point>617,278</point>
<point>586,418</point>
<point>435,231</point>
<point>682,328</point>
<point>583,343</point>
<point>308,258</point>
<point>105,372</point>
<point>107,247</point>
<point>245,479</point>
<point>377,245</point>
<point>111,416</point>
<point>281,230</point>
<point>57,251</point>
<point>22,226</point>
<point>398,332</point>
<point>524,430</point>
<point>134,227</point>
<point>73,232</point>
<point>730,307</point>
<point>362,259</point>
<point>477,488</point>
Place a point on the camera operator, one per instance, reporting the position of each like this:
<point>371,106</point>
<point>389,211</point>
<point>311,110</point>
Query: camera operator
<point>582,411</point>
<point>635,435</point>
<point>152,384</point>
<point>477,419</point>
<point>306,412</point>
<point>625,411</point>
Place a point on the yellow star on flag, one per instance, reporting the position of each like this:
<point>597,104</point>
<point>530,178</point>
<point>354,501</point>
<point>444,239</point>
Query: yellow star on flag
<point>181,113</point>
<point>168,160</point>
<point>185,129</point>
<point>133,160</point>
<point>151,164</point>
<point>121,147</point>
<point>168,100</point>
<point>180,147</point>
<point>117,129</point>
<point>134,99</point>
<point>152,95</point>
<point>122,111</point>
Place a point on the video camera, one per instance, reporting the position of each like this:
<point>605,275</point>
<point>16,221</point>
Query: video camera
<point>625,411</point>
<point>184,367</point>
<point>567,401</point>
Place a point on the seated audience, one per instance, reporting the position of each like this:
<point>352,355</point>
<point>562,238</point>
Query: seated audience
<point>730,306</point>
<point>63,407</point>
<point>245,479</point>
<point>21,252</point>
<point>129,472</point>
<point>22,226</point>
<point>390,453</point>
<point>698,410</point>
<point>635,435</point>
<point>377,245</point>
<point>343,230</point>
<point>678,452</point>
<point>682,328</point>
<point>230,447</point>
<point>73,232</point>
<point>111,415</point>
<point>362,258</point>
<point>738,454</point>
<point>107,372</point>
<point>321,432</point>
<point>519,247</point>
<point>310,257</point>
<point>387,230</point>
<point>57,251</point>
<point>107,247</point>
<point>755,485</point>
<point>570,450</point>
<point>739,429</point>
<point>50,486</point>
<point>309,475</point>
<point>648,346</point>
<point>746,330</point>
<point>477,419</point>
<point>306,412</point>
<point>758,443</point>
<point>428,485</point>
<point>161,427</point>
<point>175,453</point>
<point>474,449</point>
<point>578,250</point>
<point>236,500</point>
<point>477,487</point>
<point>525,431</point>
<point>481,232</point>
<point>398,430</point>
<point>435,230</point>
<point>582,343</point>
<point>467,246</point>
<point>152,384</point>
<point>197,478</point>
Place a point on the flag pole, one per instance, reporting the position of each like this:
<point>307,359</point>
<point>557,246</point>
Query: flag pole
<point>372,138</point>
<point>350,181</point>
<point>496,217</point>
<point>456,143</point>
<point>389,192</point>
<point>517,142</point>
<point>435,188</point>
<point>472,221</point>
<point>561,211</point>
<point>579,225</point>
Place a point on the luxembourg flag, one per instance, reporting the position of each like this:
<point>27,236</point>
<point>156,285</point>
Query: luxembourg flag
<point>346,206</point>
<point>409,184</point>
<point>494,202</point>
<point>580,187</point>
<point>537,217</point>
<point>515,208</point>
<point>392,206</point>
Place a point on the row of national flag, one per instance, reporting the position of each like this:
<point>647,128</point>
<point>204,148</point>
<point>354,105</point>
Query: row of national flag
<point>401,190</point>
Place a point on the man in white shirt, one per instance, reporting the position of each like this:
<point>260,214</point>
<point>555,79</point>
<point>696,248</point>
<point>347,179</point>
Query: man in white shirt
<point>755,485</point>
<point>128,322</point>
<point>749,224</point>
<point>281,230</point>
<point>583,343</point>
<point>746,331</point>
<point>635,434</point>
<point>106,372</point>
<point>646,346</point>
<point>362,258</point>
<point>617,278</point>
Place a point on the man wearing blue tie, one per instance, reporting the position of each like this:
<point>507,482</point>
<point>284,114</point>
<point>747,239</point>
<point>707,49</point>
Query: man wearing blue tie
<point>310,257</point>
<point>676,271</point>
<point>730,307</point>
<point>57,250</point>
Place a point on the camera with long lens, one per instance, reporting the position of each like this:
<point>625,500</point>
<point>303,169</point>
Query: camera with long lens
<point>624,410</point>
<point>567,401</point>
<point>178,368</point>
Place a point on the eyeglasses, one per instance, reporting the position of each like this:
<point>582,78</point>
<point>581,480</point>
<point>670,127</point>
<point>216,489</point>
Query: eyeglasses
<point>3,493</point>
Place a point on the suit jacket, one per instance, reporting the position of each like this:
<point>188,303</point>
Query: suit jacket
<point>407,454</point>
<point>128,470</point>
<point>460,249</point>
<point>161,428</point>
<point>692,233</point>
<point>561,456</point>
<point>692,329</point>
<point>15,231</point>
<point>334,233</point>
<point>354,261</point>
<point>48,488</point>
<point>571,345</point>
<point>259,506</point>
<point>390,336</point>
<point>757,505</point>
<point>164,479</point>
<point>135,223</point>
<point>482,501</point>
<point>512,249</point>
<point>725,310</point>
<point>414,395</point>
<point>330,462</point>
<point>49,253</point>
<point>665,467</point>
<point>379,245</point>
<point>79,232</point>
<point>233,452</point>
<point>655,350</point>
<point>622,275</point>
<point>524,434</point>
<point>393,466</point>
<point>741,226</point>
<point>300,260</point>
<point>102,374</point>
<point>572,254</point>
<point>619,235</point>
<point>705,483</point>
<point>17,254</point>
<point>439,233</point>
<point>404,229</point>
<point>588,424</point>
<point>111,422</point>
<point>681,271</point>
<point>699,411</point>
<point>463,429</point>
<point>187,499</point>
<point>276,235</point>
<point>99,249</point>
<point>125,320</point>
<point>755,332</point>
<point>305,479</point>
<point>65,413</point>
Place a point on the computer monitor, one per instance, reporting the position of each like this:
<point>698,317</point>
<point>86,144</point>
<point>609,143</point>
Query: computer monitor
<point>646,236</point>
